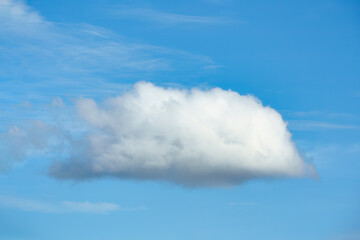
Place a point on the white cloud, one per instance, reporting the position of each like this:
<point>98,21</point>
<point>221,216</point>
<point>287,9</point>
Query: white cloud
<point>193,138</point>
<point>62,207</point>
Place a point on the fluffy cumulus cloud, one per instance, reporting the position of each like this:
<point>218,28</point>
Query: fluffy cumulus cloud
<point>208,138</point>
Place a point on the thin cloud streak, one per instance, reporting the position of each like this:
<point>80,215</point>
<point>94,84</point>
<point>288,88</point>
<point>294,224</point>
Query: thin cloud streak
<point>305,125</point>
<point>241,203</point>
<point>62,207</point>
<point>318,113</point>
<point>151,15</point>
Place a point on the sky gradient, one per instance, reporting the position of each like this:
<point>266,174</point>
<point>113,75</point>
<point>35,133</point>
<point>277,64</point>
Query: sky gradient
<point>289,69</point>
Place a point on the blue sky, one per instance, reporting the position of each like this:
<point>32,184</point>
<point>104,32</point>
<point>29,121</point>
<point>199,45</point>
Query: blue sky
<point>299,58</point>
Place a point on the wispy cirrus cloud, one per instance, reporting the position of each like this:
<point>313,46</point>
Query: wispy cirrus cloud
<point>62,207</point>
<point>321,120</point>
<point>17,18</point>
<point>308,125</point>
<point>165,18</point>
<point>41,59</point>
<point>67,56</point>
<point>319,114</point>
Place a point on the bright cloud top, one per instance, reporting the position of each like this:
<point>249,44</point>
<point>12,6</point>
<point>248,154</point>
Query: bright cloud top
<point>194,138</point>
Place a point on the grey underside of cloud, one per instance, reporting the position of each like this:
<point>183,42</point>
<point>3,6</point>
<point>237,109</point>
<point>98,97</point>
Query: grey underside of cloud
<point>193,138</point>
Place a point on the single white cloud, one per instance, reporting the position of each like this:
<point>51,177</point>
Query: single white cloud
<point>194,138</point>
